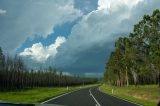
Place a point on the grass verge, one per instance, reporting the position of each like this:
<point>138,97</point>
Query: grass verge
<point>37,95</point>
<point>148,95</point>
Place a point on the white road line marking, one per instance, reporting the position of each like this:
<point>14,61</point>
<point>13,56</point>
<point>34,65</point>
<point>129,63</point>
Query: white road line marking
<point>58,96</point>
<point>123,99</point>
<point>94,98</point>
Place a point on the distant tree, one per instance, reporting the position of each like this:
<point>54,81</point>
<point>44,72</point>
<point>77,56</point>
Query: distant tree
<point>2,59</point>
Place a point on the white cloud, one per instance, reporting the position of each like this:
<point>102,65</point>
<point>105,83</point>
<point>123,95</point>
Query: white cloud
<point>41,53</point>
<point>67,73</point>
<point>2,12</point>
<point>28,18</point>
<point>93,74</point>
<point>112,5</point>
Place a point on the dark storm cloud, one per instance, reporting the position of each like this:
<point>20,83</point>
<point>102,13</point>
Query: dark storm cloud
<point>92,39</point>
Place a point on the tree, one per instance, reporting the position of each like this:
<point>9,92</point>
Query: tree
<point>2,59</point>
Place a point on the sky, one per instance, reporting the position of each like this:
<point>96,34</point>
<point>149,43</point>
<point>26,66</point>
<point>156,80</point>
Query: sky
<point>73,36</point>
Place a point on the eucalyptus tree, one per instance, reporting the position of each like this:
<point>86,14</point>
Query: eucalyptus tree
<point>2,59</point>
<point>146,39</point>
<point>137,58</point>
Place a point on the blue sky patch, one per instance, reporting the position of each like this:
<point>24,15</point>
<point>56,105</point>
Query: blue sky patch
<point>59,30</point>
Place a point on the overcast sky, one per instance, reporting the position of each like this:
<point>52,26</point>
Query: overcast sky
<point>74,36</point>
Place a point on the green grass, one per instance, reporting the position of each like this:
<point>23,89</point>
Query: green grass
<point>147,95</point>
<point>37,95</point>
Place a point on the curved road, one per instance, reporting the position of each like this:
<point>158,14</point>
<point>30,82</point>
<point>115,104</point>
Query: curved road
<point>88,97</point>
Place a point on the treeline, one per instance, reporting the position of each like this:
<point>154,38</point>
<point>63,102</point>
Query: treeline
<point>14,76</point>
<point>136,59</point>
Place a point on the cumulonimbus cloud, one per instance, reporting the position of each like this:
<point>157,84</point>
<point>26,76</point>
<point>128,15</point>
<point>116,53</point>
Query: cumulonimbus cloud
<point>92,39</point>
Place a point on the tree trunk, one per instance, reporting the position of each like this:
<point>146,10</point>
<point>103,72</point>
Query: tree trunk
<point>127,82</point>
<point>134,77</point>
<point>159,79</point>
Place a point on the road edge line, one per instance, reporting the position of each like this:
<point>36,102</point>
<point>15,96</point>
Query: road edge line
<point>121,98</point>
<point>94,97</point>
<point>58,96</point>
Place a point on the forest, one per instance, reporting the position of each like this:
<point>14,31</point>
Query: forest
<point>136,59</point>
<point>14,75</point>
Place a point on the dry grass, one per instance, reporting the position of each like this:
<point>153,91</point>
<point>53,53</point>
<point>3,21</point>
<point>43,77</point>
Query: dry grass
<point>148,95</point>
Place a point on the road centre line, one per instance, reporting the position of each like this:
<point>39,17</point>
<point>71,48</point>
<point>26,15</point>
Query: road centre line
<point>97,103</point>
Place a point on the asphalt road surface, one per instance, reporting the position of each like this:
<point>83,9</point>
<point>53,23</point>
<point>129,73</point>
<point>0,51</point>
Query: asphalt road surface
<point>88,97</point>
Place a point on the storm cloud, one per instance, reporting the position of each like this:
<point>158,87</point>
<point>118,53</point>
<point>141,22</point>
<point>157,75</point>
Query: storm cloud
<point>92,39</point>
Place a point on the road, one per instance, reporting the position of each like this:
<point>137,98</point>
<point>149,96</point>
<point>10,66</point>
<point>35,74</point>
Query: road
<point>88,97</point>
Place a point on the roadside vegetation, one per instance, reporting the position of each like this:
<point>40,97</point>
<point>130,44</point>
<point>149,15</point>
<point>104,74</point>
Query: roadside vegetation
<point>147,95</point>
<point>37,95</point>
<point>133,69</point>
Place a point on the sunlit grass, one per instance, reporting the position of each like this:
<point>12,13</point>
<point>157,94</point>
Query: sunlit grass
<point>147,95</point>
<point>37,95</point>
